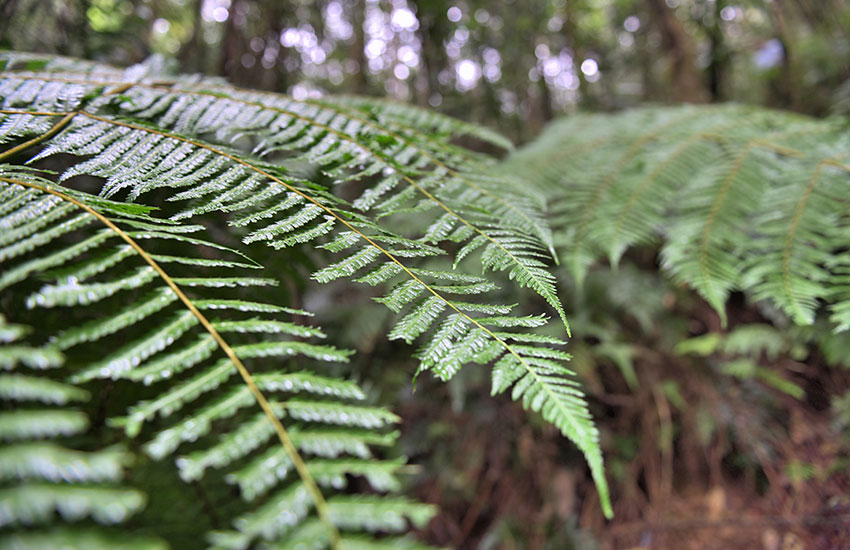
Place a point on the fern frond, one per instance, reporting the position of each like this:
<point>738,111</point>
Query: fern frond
<point>179,342</point>
<point>192,139</point>
<point>42,478</point>
<point>199,142</point>
<point>431,123</point>
<point>739,198</point>
<point>90,539</point>
<point>340,144</point>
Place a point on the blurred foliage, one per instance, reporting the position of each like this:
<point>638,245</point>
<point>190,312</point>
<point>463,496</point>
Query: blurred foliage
<point>513,64</point>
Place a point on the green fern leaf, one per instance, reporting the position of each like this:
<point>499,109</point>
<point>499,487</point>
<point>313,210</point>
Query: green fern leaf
<point>738,198</point>
<point>179,339</point>
<point>198,143</point>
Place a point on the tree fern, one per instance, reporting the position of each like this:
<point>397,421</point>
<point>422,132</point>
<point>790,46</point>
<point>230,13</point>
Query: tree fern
<point>277,169</point>
<point>192,359</point>
<point>51,476</point>
<point>467,206</point>
<point>740,198</point>
<point>410,118</point>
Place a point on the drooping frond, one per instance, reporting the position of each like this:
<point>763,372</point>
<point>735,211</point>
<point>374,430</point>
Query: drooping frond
<point>176,323</point>
<point>41,471</point>
<point>739,198</point>
<point>417,120</point>
<point>274,166</point>
<point>406,172</point>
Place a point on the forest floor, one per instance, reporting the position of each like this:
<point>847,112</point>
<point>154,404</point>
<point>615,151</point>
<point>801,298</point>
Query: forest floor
<point>509,485</point>
<point>775,478</point>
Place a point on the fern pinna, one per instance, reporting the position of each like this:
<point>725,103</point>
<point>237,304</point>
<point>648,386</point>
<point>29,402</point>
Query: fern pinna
<point>418,206</point>
<point>740,198</point>
<point>89,251</point>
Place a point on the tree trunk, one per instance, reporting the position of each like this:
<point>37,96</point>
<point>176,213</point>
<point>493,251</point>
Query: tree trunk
<point>191,54</point>
<point>686,81</point>
<point>574,43</point>
<point>231,46</point>
<point>719,52</point>
<point>7,9</point>
<point>787,86</point>
<point>432,33</point>
<point>360,80</point>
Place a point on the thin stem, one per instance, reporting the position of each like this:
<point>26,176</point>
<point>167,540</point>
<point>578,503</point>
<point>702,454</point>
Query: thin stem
<point>38,139</point>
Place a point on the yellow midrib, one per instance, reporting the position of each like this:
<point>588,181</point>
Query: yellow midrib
<point>332,213</point>
<point>283,436</point>
<point>352,228</point>
<point>123,86</point>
